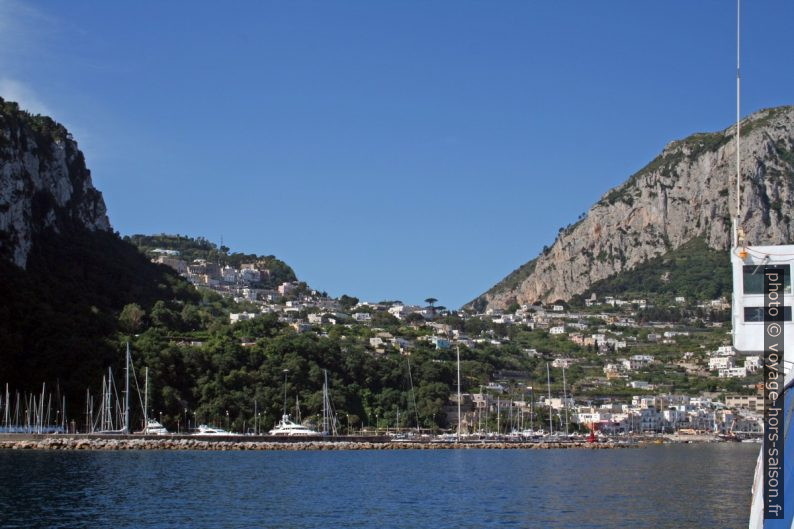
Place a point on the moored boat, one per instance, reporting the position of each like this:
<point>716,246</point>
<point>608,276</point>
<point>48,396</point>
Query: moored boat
<point>204,429</point>
<point>287,427</point>
<point>153,427</point>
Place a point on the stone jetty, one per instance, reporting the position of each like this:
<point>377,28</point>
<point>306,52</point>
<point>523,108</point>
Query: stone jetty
<point>131,443</point>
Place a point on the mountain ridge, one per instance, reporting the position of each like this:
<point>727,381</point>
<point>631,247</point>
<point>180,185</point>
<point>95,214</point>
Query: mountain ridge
<point>683,193</point>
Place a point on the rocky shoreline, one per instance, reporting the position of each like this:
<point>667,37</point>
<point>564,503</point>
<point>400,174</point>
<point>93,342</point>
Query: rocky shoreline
<point>105,444</point>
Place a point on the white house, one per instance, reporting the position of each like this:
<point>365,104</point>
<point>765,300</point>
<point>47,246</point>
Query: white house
<point>286,289</point>
<point>599,338</point>
<point>563,362</point>
<point>733,372</point>
<point>249,275</point>
<point>398,311</point>
<point>724,350</point>
<point>721,362</point>
<point>753,363</point>
<point>241,316</point>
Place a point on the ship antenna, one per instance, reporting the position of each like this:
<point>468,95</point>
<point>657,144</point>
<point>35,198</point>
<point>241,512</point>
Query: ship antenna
<point>738,233</point>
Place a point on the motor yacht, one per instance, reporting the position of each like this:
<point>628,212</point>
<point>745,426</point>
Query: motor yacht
<point>287,427</point>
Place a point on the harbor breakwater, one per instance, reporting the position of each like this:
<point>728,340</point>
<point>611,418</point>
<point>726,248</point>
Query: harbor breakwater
<point>111,444</point>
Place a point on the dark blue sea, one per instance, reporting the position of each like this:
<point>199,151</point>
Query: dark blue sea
<point>657,487</point>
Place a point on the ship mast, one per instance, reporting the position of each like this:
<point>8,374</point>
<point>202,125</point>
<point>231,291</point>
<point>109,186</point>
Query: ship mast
<point>738,233</point>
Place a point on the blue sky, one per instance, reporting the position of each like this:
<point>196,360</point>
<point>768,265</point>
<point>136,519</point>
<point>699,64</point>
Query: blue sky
<point>388,150</point>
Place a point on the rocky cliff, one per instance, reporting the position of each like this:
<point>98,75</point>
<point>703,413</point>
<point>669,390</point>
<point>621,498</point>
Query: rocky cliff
<point>44,183</point>
<point>64,274</point>
<point>686,192</point>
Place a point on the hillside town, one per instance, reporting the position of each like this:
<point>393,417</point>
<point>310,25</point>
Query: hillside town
<point>621,373</point>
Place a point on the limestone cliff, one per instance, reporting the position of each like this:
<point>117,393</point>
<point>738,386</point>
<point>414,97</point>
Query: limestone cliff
<point>688,191</point>
<point>44,183</point>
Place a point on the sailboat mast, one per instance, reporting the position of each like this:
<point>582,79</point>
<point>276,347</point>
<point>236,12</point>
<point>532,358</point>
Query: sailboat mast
<point>413,395</point>
<point>146,401</point>
<point>532,409</point>
<point>548,385</point>
<point>498,415</point>
<point>285,391</point>
<point>7,409</point>
<point>325,402</point>
<point>109,400</point>
<point>87,412</point>
<point>565,399</point>
<point>41,407</point>
<point>127,393</point>
<point>459,417</point>
<point>101,404</point>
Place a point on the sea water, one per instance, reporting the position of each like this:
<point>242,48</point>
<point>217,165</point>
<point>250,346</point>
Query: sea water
<point>657,487</point>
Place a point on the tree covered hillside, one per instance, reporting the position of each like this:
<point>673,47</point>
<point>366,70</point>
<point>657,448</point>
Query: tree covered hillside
<point>693,270</point>
<point>200,248</point>
<point>59,318</point>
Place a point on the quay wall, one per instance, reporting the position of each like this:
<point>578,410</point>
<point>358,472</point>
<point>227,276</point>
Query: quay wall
<point>129,443</point>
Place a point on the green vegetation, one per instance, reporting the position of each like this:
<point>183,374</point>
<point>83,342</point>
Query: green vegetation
<point>693,270</point>
<point>84,294</point>
<point>762,119</point>
<point>65,319</point>
<point>228,366</point>
<point>45,130</point>
<point>59,318</point>
<point>199,248</point>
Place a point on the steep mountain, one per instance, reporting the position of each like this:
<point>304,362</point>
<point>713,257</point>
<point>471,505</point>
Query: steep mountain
<point>64,274</point>
<point>685,193</point>
<point>44,183</point>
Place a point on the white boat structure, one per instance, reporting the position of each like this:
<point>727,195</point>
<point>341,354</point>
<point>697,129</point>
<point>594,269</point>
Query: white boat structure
<point>287,427</point>
<point>206,430</point>
<point>750,264</point>
<point>153,427</point>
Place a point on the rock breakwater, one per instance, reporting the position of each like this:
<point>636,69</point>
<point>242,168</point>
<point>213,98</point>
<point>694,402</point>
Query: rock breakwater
<point>104,444</point>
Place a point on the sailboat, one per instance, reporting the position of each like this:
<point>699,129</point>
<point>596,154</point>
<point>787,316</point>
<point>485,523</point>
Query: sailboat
<point>151,426</point>
<point>329,418</point>
<point>107,412</point>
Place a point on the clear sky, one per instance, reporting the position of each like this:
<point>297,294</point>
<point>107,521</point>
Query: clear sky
<point>388,150</point>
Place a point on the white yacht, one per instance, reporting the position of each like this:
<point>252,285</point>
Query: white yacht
<point>203,429</point>
<point>154,427</point>
<point>286,427</point>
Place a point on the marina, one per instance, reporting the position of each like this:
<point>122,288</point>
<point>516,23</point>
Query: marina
<point>331,294</point>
